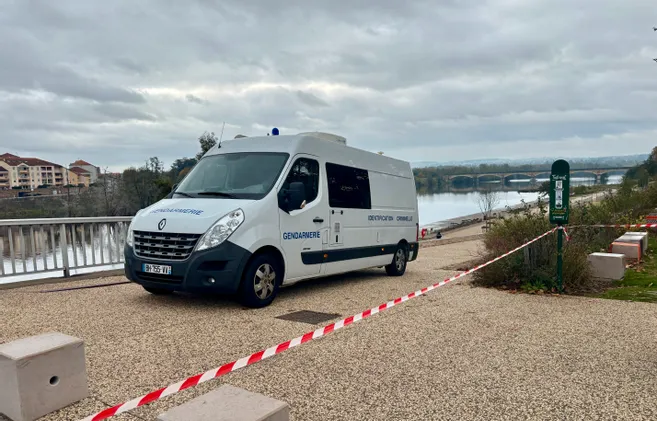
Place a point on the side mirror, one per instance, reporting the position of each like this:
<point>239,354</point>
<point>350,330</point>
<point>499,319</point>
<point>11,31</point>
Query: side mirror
<point>173,189</point>
<point>283,200</point>
<point>291,198</point>
<point>297,195</point>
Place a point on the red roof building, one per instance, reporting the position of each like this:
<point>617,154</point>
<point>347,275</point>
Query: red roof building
<point>80,162</point>
<point>31,172</point>
<point>80,171</point>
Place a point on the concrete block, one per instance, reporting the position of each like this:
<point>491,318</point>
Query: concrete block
<point>41,374</point>
<point>607,265</point>
<point>632,235</point>
<point>229,403</point>
<point>631,250</point>
<point>630,240</point>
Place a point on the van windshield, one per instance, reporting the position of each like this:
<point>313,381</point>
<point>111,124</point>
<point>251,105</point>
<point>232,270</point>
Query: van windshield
<point>243,175</point>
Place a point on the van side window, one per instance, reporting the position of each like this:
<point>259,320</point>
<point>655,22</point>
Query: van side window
<point>306,171</point>
<point>348,187</point>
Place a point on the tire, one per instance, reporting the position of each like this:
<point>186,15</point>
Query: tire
<point>260,281</point>
<point>399,260</point>
<point>158,291</point>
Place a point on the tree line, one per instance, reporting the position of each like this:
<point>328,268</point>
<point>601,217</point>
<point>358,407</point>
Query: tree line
<point>644,172</point>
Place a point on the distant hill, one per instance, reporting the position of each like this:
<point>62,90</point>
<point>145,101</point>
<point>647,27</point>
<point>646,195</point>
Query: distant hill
<point>606,161</point>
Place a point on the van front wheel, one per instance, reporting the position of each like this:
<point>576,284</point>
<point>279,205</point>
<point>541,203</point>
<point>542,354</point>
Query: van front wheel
<point>260,282</point>
<point>398,265</point>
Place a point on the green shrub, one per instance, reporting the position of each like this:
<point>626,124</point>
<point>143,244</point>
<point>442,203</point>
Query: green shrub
<point>535,267</point>
<point>576,269</point>
<point>523,267</point>
<point>579,190</point>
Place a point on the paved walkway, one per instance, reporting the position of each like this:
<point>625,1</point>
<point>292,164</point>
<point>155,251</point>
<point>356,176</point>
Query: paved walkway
<point>457,353</point>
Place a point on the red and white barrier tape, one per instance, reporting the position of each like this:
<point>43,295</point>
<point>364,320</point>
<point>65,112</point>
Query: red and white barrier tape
<point>565,232</point>
<point>626,226</point>
<point>277,349</point>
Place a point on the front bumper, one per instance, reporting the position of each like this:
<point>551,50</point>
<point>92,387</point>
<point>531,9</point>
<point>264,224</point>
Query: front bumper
<point>224,263</point>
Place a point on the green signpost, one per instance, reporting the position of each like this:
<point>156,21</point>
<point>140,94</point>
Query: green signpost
<point>559,207</point>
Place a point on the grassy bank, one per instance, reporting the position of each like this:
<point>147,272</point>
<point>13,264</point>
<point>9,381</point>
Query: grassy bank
<point>584,190</point>
<point>534,269</point>
<point>640,281</point>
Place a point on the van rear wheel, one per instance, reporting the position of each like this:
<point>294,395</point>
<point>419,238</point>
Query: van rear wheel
<point>260,282</point>
<point>398,265</point>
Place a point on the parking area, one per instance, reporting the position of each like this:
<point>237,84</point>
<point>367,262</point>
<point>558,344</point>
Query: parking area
<point>456,353</point>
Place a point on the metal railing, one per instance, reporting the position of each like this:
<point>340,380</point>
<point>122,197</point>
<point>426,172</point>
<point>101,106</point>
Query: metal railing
<point>30,246</point>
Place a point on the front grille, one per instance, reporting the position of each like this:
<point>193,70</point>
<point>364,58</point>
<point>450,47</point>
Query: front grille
<point>164,246</point>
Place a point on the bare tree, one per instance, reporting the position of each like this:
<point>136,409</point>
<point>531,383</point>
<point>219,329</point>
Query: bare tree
<point>488,201</point>
<point>109,185</point>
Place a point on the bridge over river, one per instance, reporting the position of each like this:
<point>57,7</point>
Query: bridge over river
<point>532,176</point>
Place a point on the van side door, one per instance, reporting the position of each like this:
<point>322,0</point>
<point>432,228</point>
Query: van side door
<point>304,227</point>
<point>352,243</point>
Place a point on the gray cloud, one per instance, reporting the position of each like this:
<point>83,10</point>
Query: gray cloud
<point>311,99</point>
<point>422,80</point>
<point>194,99</point>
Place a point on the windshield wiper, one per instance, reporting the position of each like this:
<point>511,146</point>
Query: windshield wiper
<point>217,193</point>
<point>183,194</point>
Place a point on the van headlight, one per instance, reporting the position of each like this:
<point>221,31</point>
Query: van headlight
<point>221,230</point>
<point>128,236</point>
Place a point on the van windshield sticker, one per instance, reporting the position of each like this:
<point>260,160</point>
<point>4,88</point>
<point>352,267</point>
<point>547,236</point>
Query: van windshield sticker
<point>300,235</point>
<point>178,210</point>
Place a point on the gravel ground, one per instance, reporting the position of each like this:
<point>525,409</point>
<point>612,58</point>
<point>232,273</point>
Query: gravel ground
<point>456,353</point>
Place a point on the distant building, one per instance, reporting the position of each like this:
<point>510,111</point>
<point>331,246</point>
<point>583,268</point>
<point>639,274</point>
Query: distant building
<point>90,169</point>
<point>4,178</point>
<point>30,173</point>
<point>78,176</point>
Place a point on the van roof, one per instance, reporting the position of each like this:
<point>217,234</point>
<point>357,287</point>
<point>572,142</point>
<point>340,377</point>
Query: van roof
<point>317,145</point>
<point>282,143</point>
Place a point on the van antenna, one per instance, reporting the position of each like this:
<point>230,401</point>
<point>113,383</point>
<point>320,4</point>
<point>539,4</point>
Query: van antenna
<point>221,135</point>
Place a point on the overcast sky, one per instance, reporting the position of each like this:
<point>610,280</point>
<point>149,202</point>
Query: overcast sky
<point>118,81</point>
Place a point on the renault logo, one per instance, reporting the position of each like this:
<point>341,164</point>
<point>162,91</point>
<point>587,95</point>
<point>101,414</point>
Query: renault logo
<point>162,224</point>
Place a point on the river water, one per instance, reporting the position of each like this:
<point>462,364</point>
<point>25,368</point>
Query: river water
<point>440,207</point>
<point>437,208</point>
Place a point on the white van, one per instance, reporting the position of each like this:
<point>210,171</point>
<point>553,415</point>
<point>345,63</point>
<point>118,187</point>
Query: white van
<point>256,213</point>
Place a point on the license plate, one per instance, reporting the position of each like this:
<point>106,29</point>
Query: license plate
<point>161,269</point>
